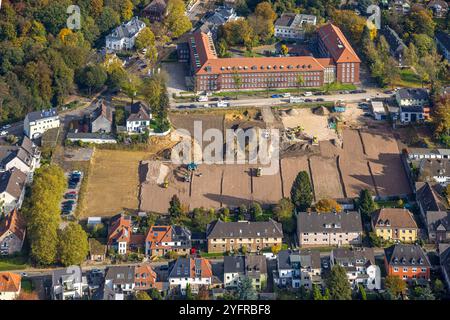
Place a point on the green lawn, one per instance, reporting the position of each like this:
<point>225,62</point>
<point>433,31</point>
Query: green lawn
<point>409,79</point>
<point>27,285</point>
<point>14,263</point>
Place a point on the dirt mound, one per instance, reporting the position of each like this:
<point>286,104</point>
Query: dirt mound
<point>321,111</point>
<point>155,171</point>
<point>292,112</point>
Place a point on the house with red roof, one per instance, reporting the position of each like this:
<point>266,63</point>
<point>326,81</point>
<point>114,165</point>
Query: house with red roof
<point>10,285</point>
<point>12,233</point>
<point>119,233</point>
<point>162,239</point>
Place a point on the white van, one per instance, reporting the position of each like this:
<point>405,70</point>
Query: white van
<point>296,100</point>
<point>202,98</point>
<point>286,95</point>
<point>308,94</point>
<point>222,104</point>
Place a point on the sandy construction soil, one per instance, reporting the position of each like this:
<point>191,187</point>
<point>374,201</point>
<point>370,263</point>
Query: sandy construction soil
<point>326,178</point>
<point>314,125</point>
<point>290,168</point>
<point>113,182</point>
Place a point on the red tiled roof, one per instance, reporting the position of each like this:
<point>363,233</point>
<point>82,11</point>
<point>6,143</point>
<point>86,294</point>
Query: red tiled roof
<point>205,266</point>
<point>120,229</point>
<point>158,234</point>
<point>9,282</point>
<point>15,224</point>
<point>337,44</point>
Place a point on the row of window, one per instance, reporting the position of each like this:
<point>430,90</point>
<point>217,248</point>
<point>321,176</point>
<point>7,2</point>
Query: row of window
<point>406,269</point>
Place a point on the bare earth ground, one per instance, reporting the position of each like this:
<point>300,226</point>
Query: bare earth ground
<point>113,182</point>
<point>290,168</point>
<point>236,188</point>
<point>326,178</point>
<point>314,125</point>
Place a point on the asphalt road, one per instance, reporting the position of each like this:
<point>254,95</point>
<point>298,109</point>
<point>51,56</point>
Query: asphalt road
<point>260,102</point>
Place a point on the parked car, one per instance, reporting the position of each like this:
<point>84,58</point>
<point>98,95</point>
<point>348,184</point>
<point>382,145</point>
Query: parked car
<point>3,133</point>
<point>275,96</point>
<point>70,196</point>
<point>6,126</point>
<point>320,99</point>
<point>308,100</point>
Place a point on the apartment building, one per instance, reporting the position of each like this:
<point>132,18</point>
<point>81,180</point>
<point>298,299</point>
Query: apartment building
<point>329,229</point>
<point>395,224</point>
<point>211,73</point>
<point>408,262</point>
<point>38,122</point>
<point>233,236</point>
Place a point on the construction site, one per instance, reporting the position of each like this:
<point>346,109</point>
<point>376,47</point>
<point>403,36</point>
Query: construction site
<point>341,155</point>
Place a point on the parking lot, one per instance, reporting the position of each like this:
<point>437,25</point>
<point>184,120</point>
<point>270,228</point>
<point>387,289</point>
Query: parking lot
<point>70,199</point>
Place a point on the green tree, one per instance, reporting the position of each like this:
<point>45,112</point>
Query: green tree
<point>175,209</point>
<point>438,288</point>
<point>395,286</point>
<point>176,20</point>
<point>92,78</point>
<point>189,295</point>
<point>145,39</point>
<point>301,192</point>
<point>299,82</point>
<point>284,212</point>
<point>237,81</point>
<point>256,210</point>
<point>337,283</point>
<point>366,204</point>
<point>245,290</point>
<point>284,49</point>
<point>362,292</point>
<point>142,295</point>
<point>73,245</point>
<point>422,293</point>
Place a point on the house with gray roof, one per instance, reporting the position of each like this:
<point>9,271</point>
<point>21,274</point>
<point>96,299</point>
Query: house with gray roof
<point>396,44</point>
<point>12,189</point>
<point>359,264</point>
<point>213,20</point>
<point>25,157</point>
<point>156,10</point>
<point>256,270</point>
<point>412,103</point>
<point>292,26</point>
<point>409,262</point>
<point>124,36</point>
<point>233,270</point>
<point>429,198</point>
<point>296,268</point>
<point>68,284</point>
<point>102,118</point>
<point>38,122</point>
<point>120,279</point>
<point>233,236</point>
<point>438,225</point>
<point>139,119</point>
<point>329,229</point>
<point>444,258</point>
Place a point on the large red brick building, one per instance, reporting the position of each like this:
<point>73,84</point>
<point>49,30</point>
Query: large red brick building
<point>339,62</point>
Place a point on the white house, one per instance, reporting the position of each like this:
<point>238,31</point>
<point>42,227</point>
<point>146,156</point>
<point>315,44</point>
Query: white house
<point>138,120</point>
<point>292,26</point>
<point>12,189</point>
<point>233,270</point>
<point>68,285</point>
<point>38,122</point>
<point>10,285</point>
<point>359,264</point>
<point>120,279</point>
<point>193,271</point>
<point>124,36</point>
<point>406,97</point>
<point>378,110</point>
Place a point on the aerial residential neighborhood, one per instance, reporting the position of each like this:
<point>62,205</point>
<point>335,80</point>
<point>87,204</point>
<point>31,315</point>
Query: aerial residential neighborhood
<point>224,150</point>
